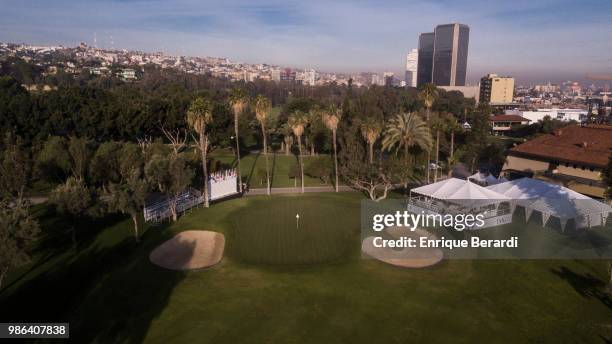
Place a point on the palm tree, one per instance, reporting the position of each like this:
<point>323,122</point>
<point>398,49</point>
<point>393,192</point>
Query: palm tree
<point>428,96</point>
<point>452,126</point>
<point>298,122</point>
<point>199,114</point>
<point>262,110</point>
<point>370,130</point>
<point>287,137</point>
<point>404,131</point>
<point>437,124</point>
<point>331,118</point>
<point>238,102</point>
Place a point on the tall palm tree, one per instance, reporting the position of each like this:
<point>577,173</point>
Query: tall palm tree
<point>428,95</point>
<point>199,115</point>
<point>331,118</point>
<point>452,126</point>
<point>298,122</point>
<point>370,130</point>
<point>437,124</point>
<point>238,102</point>
<point>287,137</point>
<point>263,106</point>
<point>404,131</point>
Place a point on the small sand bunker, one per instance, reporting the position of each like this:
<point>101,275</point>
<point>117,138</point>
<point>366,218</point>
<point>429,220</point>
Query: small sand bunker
<point>190,250</point>
<point>406,257</point>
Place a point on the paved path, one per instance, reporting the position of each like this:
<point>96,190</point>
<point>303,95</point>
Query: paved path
<point>292,190</point>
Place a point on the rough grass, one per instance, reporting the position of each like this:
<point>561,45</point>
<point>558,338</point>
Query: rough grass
<point>111,293</point>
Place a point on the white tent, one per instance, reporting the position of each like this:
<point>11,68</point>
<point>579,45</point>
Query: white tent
<point>483,178</point>
<point>461,192</point>
<point>554,200</point>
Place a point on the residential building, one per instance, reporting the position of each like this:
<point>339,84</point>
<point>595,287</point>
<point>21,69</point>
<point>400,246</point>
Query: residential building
<point>412,60</point>
<point>287,75</point>
<point>501,124</point>
<point>574,155</point>
<point>496,89</point>
<point>450,54</point>
<point>425,58</point>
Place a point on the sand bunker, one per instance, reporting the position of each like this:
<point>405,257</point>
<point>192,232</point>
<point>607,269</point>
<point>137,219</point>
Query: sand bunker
<point>407,257</point>
<point>190,250</point>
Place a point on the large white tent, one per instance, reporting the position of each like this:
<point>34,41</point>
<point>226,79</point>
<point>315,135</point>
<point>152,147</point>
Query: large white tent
<point>485,179</point>
<point>554,200</point>
<point>461,192</point>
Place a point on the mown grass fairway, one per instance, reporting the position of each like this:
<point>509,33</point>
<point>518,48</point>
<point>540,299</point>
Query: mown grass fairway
<point>111,293</point>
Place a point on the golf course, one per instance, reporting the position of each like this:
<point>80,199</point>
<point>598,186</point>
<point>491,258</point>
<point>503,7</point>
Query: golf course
<point>284,281</point>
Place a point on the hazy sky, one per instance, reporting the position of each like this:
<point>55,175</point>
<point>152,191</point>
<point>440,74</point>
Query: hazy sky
<point>531,40</point>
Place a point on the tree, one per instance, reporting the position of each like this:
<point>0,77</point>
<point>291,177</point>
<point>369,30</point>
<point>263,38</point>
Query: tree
<point>452,127</point>
<point>127,197</point>
<point>199,115</point>
<point>238,102</point>
<point>262,111</point>
<point>437,124</point>
<point>171,176</point>
<point>18,230</point>
<point>319,168</point>
<point>331,118</point>
<point>371,179</point>
<point>428,95</point>
<point>370,130</point>
<point>80,155</point>
<point>128,194</point>
<point>53,161</point>
<point>298,122</point>
<point>287,137</point>
<point>404,131</point>
<point>104,167</point>
<point>75,199</point>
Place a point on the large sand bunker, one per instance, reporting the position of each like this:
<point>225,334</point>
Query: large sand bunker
<point>406,257</point>
<point>190,250</point>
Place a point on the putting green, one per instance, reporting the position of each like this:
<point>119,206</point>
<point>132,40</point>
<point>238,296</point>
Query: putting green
<point>274,235</point>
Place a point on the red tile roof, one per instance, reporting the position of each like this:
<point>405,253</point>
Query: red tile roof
<point>589,145</point>
<point>508,118</point>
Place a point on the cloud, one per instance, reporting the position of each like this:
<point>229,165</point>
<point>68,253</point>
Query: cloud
<point>515,38</point>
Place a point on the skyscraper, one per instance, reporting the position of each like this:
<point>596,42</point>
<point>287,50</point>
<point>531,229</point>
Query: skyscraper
<point>425,58</point>
<point>412,67</point>
<point>450,54</point>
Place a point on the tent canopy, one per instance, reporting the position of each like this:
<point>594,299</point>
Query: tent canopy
<point>461,192</point>
<point>551,199</point>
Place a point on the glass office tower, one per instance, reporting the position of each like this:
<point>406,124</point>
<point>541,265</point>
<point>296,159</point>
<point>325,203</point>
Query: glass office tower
<point>425,58</point>
<point>450,54</point>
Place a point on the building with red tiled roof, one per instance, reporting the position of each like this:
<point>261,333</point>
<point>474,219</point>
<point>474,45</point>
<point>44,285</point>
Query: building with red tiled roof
<point>574,155</point>
<point>502,123</point>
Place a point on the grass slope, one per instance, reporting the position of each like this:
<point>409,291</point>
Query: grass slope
<point>109,292</point>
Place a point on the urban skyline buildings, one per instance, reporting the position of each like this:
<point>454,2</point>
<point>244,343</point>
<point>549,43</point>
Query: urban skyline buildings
<point>443,55</point>
<point>412,60</point>
<point>425,58</point>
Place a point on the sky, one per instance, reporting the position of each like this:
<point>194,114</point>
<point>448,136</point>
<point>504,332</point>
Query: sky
<point>534,41</point>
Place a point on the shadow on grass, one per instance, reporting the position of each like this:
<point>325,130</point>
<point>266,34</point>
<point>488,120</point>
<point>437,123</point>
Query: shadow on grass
<point>107,294</point>
<point>587,285</point>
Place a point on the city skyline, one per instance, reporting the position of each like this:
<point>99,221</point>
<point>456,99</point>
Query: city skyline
<point>328,37</point>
